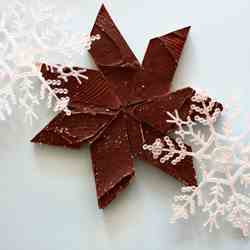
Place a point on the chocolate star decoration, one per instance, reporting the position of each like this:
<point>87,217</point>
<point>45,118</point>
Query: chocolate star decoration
<point>121,107</point>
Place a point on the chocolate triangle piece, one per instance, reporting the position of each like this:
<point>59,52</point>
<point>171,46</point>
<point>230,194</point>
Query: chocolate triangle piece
<point>92,91</point>
<point>113,56</point>
<point>164,52</point>
<point>111,51</point>
<point>154,112</point>
<point>71,131</point>
<point>112,161</point>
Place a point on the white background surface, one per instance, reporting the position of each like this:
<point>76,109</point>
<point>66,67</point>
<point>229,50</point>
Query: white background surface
<point>47,194</point>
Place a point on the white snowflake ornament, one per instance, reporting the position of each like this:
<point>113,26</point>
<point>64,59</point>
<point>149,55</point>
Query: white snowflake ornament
<point>223,161</point>
<point>33,32</point>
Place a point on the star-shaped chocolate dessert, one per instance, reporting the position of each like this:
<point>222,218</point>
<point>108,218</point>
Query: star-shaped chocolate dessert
<point>121,107</point>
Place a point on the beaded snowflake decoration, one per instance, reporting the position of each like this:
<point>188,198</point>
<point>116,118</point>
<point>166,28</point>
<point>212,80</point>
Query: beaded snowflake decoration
<point>223,164</point>
<point>31,32</point>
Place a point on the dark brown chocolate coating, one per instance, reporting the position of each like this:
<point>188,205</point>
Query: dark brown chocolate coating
<point>112,161</point>
<point>123,106</point>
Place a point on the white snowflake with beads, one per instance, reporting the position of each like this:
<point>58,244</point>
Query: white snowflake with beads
<point>223,163</point>
<point>32,32</point>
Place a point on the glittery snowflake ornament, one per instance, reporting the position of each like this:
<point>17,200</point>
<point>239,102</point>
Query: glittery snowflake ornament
<point>31,32</point>
<point>223,161</point>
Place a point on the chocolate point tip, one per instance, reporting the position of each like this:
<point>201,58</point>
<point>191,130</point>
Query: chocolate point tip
<point>33,140</point>
<point>103,9</point>
<point>183,31</point>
